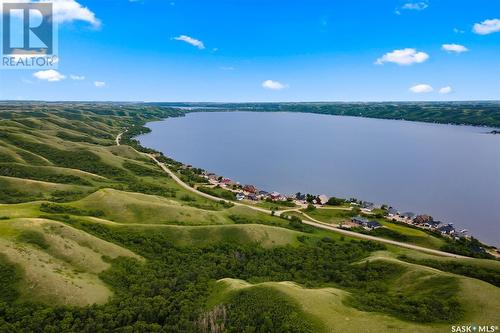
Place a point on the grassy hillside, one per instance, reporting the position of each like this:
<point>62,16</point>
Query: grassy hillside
<point>95,237</point>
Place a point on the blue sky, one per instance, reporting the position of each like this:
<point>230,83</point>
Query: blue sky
<point>264,50</point>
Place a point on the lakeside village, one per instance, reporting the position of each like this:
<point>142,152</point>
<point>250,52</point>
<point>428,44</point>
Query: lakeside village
<point>304,201</point>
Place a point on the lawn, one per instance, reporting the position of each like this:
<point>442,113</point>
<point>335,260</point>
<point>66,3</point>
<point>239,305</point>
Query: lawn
<point>331,216</point>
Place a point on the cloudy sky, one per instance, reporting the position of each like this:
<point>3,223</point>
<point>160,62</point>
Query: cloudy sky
<point>264,50</point>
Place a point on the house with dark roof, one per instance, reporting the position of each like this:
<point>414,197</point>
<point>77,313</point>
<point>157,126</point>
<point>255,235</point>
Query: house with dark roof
<point>373,225</point>
<point>432,224</point>
<point>368,205</point>
<point>359,220</point>
<point>392,212</point>
<point>362,222</point>
<point>447,229</point>
<point>252,197</point>
<point>408,215</point>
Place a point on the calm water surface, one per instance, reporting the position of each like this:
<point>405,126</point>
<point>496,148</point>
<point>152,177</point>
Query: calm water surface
<point>449,172</point>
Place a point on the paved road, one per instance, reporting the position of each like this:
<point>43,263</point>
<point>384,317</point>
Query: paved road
<point>311,221</point>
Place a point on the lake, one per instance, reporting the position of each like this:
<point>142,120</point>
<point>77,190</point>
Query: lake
<point>450,172</point>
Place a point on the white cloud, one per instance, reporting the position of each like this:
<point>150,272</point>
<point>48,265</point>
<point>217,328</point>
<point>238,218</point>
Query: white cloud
<point>77,77</point>
<point>421,88</point>
<point>458,31</point>
<point>50,75</point>
<point>99,84</point>
<point>487,27</point>
<point>70,10</point>
<point>415,5</point>
<point>457,48</point>
<point>65,11</point>
<point>192,41</point>
<point>406,56</point>
<point>446,90</point>
<point>273,85</point>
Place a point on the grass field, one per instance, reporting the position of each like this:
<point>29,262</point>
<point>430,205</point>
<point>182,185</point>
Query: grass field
<point>332,216</point>
<point>60,264</point>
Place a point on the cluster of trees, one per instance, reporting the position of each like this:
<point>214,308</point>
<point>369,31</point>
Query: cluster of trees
<point>261,309</point>
<point>141,170</point>
<point>53,208</point>
<point>466,247</point>
<point>470,113</point>
<point>478,272</point>
<point>168,292</point>
<point>218,192</point>
<point>28,172</point>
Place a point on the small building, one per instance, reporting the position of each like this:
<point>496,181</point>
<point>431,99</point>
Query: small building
<point>252,197</point>
<point>447,229</point>
<point>368,205</point>
<point>275,196</point>
<point>373,225</point>
<point>323,199</point>
<point>408,215</point>
<point>227,181</point>
<point>422,219</point>
<point>240,196</point>
<point>263,193</point>
<point>250,189</point>
<point>392,212</point>
<point>362,222</point>
<point>432,224</point>
<point>359,220</point>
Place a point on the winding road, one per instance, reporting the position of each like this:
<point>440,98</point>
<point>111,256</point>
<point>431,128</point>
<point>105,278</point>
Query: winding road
<point>311,221</point>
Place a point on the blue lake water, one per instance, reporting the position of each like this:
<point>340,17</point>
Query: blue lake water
<point>450,172</point>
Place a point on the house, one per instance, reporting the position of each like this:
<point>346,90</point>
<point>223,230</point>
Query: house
<point>228,182</point>
<point>373,225</point>
<point>252,197</point>
<point>365,223</point>
<point>263,193</point>
<point>323,199</point>
<point>447,229</point>
<point>368,205</point>
<point>461,234</point>
<point>250,189</point>
<point>432,224</point>
<point>392,212</point>
<point>408,215</point>
<point>240,196</point>
<point>275,196</point>
<point>422,219</point>
<point>359,220</point>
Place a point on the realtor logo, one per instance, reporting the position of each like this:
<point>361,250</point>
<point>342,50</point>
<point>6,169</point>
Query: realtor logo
<point>28,36</point>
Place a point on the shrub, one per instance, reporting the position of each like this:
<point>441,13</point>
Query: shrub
<point>33,237</point>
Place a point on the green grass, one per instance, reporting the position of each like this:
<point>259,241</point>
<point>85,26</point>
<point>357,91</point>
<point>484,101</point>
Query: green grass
<point>58,264</point>
<point>332,216</point>
<point>276,205</point>
<point>330,307</point>
<point>126,207</point>
<point>415,236</point>
<point>185,236</point>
